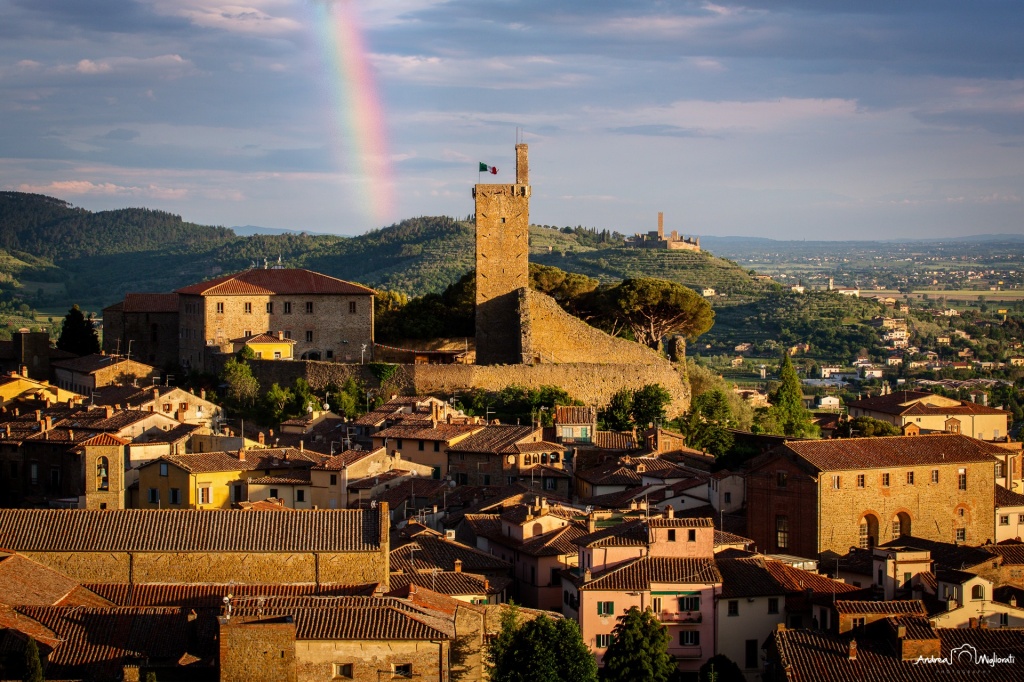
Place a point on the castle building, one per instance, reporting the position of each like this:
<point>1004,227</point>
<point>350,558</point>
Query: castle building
<point>658,240</point>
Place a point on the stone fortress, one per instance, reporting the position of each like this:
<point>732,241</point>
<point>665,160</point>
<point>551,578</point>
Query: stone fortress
<point>658,240</point>
<point>523,337</point>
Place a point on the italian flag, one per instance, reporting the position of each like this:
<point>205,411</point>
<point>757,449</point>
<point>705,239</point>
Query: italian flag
<point>484,168</point>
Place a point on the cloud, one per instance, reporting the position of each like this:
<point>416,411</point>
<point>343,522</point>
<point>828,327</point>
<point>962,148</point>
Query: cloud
<point>88,188</point>
<point>659,130</point>
<point>121,135</point>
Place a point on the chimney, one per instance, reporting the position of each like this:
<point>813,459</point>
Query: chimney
<point>670,512</point>
<point>458,565</point>
<point>853,650</point>
<point>156,395</point>
<point>241,454</point>
<point>39,415</point>
<point>261,438</point>
<point>202,394</point>
<point>24,371</point>
<point>591,522</point>
<point>302,446</point>
<point>71,435</point>
<point>587,575</point>
<point>48,421</point>
<point>280,335</point>
<point>108,411</point>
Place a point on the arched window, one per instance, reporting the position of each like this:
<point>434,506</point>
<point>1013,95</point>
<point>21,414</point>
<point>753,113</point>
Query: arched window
<point>102,474</point>
<point>868,531</point>
<point>978,592</point>
<point>901,525</point>
<point>544,458</point>
<point>538,529</point>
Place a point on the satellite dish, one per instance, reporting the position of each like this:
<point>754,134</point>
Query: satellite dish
<point>451,484</point>
<point>327,407</point>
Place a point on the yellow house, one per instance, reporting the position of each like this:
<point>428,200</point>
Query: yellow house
<point>214,480</point>
<point>934,413</point>
<point>16,385</point>
<point>267,346</point>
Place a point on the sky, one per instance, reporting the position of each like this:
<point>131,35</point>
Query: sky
<point>788,119</point>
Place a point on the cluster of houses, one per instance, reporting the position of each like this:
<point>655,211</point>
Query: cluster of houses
<point>354,550</point>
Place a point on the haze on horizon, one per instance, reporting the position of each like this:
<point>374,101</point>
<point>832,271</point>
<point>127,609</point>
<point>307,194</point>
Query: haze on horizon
<point>789,119</point>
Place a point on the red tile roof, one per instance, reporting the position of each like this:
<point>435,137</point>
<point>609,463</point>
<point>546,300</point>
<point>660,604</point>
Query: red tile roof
<point>274,281</point>
<point>498,439</point>
<point>27,583</point>
<point>569,414</point>
<point>1008,498</point>
<point>270,458</point>
<point>446,582</point>
<point>150,303</point>
<point>639,574</point>
<point>845,454</point>
<point>211,596</point>
<point>442,431</point>
<point>343,530</point>
<point>428,551</point>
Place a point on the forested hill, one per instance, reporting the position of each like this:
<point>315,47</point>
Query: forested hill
<point>100,256</point>
<point>50,228</point>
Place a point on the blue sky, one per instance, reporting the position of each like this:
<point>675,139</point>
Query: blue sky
<point>802,119</point>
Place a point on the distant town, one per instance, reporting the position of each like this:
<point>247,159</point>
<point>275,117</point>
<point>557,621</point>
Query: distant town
<point>788,471</point>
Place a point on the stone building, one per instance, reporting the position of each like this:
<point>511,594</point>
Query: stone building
<point>809,497</point>
<point>143,325</point>
<point>658,240</point>
<point>502,454</point>
<point>187,546</point>
<point>90,372</point>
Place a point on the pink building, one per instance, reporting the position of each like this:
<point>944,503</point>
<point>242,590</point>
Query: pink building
<point>664,564</point>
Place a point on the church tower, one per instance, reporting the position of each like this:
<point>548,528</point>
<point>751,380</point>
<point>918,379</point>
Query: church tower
<point>502,264</point>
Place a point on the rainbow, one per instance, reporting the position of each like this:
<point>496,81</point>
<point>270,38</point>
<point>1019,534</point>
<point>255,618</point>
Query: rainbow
<point>360,142</point>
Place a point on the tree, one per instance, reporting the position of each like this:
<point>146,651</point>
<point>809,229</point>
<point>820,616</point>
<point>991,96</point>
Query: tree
<point>539,650</point>
<point>720,668</point>
<point>787,415</point>
<point>649,405</point>
<point>707,422</point>
<point>33,664</point>
<point>865,427</point>
<point>242,386</point>
<point>77,334</point>
<point>653,308</point>
<point>638,649</point>
<point>618,416</point>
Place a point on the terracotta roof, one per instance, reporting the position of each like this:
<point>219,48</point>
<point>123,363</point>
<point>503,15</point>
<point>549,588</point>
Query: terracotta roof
<point>612,473</point>
<point>616,440</point>
<point>903,606</point>
<point>27,583</point>
<point>150,303</point>
<point>291,478</point>
<point>87,364</point>
<point>641,573</point>
<point>1008,498</point>
<point>561,541</point>
<point>797,580</point>
<point>344,530</point>
<point>569,414</point>
<point>106,439</point>
<point>724,538</point>
<point>818,656</point>
<point>211,596</point>
<point>442,431</point>
<point>96,643</point>
<point>910,403</point>
<point>262,337</point>
<point>447,582</point>
<point>370,482</point>
<point>747,577</point>
<point>1012,555</point>
<point>945,554</point>
<point>845,454</point>
<point>427,552</point>
<point>496,438</point>
<point>623,534</point>
<point>282,281</point>
<point>540,446</point>
<point>271,458</point>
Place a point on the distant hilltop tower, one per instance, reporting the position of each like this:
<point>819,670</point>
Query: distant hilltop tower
<point>502,264</point>
<point>658,240</point>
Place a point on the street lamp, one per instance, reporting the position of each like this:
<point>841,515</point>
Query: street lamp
<point>362,355</point>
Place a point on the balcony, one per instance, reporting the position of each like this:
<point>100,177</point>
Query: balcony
<point>680,616</point>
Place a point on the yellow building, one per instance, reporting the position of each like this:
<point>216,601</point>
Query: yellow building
<point>214,480</point>
<point>267,346</point>
<point>16,385</point>
<point>933,413</point>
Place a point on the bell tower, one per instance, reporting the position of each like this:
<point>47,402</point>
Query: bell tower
<point>502,264</point>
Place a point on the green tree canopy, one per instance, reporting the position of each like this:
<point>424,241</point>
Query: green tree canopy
<point>242,386</point>
<point>650,404</point>
<point>787,415</point>
<point>638,650</point>
<point>539,650</point>
<point>707,422</point>
<point>618,416</point>
<point>33,664</point>
<point>654,308</point>
<point>866,427</point>
<point>78,335</point>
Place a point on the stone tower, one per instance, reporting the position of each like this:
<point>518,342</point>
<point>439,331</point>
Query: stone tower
<point>103,459</point>
<point>502,265</point>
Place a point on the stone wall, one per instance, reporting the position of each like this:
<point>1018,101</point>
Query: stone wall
<point>253,650</point>
<point>371,660</point>
<point>355,568</point>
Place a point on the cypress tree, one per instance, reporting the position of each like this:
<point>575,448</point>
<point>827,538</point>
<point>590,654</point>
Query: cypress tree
<point>33,666</point>
<point>78,335</point>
